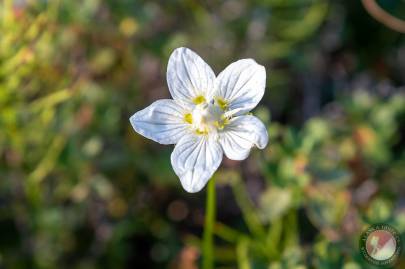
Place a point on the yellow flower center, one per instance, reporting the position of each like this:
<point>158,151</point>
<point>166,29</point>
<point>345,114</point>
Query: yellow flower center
<point>207,117</point>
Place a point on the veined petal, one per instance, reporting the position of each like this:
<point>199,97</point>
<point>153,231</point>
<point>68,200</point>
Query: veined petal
<point>163,121</point>
<point>189,78</point>
<point>240,135</point>
<point>241,85</point>
<point>195,159</point>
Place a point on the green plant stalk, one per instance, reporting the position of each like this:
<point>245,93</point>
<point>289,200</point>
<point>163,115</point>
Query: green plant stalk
<point>226,233</point>
<point>242,253</point>
<point>248,211</point>
<point>273,238</point>
<point>291,229</point>
<point>210,212</point>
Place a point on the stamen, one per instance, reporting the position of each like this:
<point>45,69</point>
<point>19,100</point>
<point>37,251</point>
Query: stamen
<point>202,132</point>
<point>219,125</point>
<point>225,120</point>
<point>221,103</point>
<point>199,100</point>
<point>188,118</point>
<point>207,118</point>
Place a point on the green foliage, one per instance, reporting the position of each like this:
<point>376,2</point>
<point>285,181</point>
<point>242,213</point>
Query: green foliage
<point>78,189</point>
<point>332,171</point>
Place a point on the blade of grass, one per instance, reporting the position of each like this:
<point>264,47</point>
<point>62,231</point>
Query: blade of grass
<point>248,211</point>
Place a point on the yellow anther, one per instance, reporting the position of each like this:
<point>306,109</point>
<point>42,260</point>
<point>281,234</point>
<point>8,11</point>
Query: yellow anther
<point>188,118</point>
<point>199,100</point>
<point>219,125</point>
<point>201,132</point>
<point>221,103</point>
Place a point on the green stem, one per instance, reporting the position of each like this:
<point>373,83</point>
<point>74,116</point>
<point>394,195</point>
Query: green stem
<point>208,248</point>
<point>242,253</point>
<point>248,211</point>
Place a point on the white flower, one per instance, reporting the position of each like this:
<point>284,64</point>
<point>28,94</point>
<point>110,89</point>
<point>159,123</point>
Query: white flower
<point>207,116</point>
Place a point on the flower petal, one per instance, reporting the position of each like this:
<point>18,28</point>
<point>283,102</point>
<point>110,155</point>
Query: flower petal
<point>189,77</point>
<point>195,159</point>
<point>241,134</point>
<point>162,121</point>
<point>241,85</point>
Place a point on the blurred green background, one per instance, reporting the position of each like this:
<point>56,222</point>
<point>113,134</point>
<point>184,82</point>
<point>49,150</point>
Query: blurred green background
<point>80,189</point>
